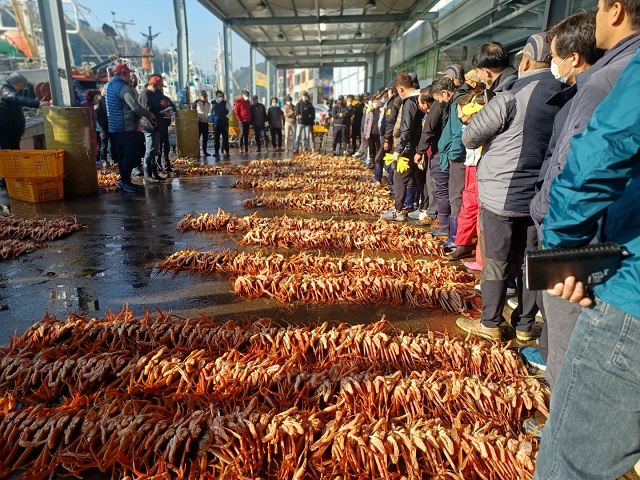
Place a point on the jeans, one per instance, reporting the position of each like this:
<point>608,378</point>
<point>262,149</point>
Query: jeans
<point>374,145</point>
<point>151,142</point>
<point>299,130</point>
<point>289,134</point>
<point>127,146</point>
<point>401,182</point>
<point>163,150</point>
<point>441,185</point>
<point>593,431</point>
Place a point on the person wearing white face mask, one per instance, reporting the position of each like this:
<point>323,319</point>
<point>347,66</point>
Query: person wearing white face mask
<point>220,113</point>
<point>242,110</point>
<point>289,122</point>
<point>274,117</point>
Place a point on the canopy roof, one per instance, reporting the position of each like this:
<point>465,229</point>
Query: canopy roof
<point>312,33</point>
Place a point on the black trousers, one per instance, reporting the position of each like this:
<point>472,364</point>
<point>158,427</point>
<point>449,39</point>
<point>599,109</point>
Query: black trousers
<point>339,137</point>
<point>401,181</point>
<point>276,137</point>
<point>221,131</point>
<point>441,185</point>
<point>127,144</point>
<point>457,171</point>
<point>243,142</point>
<point>356,135</point>
<point>10,142</point>
<point>429,204</point>
<point>374,146</point>
<point>503,247</point>
<point>163,151</point>
<point>419,183</point>
<point>203,134</point>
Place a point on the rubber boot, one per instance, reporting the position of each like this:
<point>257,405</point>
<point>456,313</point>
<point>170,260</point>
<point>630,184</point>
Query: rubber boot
<point>453,231</point>
<point>408,199</point>
<point>443,229</point>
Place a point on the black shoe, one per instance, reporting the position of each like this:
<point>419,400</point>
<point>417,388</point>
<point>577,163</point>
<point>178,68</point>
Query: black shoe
<point>461,252</point>
<point>206,154</point>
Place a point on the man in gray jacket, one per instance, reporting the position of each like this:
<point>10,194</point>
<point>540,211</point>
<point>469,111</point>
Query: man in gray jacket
<point>617,31</point>
<point>124,114</point>
<point>514,130</point>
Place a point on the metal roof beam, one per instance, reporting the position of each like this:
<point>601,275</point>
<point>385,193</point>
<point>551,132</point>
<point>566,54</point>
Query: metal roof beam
<point>324,64</point>
<point>330,56</point>
<point>339,19</point>
<point>324,43</point>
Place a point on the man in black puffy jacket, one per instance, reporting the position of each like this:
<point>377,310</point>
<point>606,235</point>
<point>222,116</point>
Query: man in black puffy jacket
<point>405,149</point>
<point>305,116</point>
<point>12,121</point>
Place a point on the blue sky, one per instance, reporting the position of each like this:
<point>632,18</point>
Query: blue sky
<point>203,26</point>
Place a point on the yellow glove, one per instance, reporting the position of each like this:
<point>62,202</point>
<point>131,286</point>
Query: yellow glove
<point>388,159</point>
<point>403,165</point>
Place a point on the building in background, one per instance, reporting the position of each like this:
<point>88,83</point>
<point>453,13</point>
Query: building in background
<point>316,81</point>
<point>348,80</point>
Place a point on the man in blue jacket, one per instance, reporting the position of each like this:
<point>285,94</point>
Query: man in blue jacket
<point>618,33</point>
<point>124,114</point>
<point>593,430</point>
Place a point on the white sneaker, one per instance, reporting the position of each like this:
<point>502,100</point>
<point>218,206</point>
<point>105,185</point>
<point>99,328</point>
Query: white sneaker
<point>136,172</point>
<point>415,215</point>
<point>477,287</point>
<point>163,175</point>
<point>150,180</point>
<point>511,292</point>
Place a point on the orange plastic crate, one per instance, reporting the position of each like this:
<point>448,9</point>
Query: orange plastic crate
<point>36,190</point>
<point>31,163</point>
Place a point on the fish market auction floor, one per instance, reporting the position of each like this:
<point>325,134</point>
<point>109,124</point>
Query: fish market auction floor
<point>112,262</point>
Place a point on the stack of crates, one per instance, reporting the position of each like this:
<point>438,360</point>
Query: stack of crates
<point>34,176</point>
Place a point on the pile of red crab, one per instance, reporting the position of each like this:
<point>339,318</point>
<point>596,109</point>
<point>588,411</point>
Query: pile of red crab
<point>167,397</point>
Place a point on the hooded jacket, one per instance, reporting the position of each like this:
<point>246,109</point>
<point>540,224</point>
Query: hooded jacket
<point>593,86</point>
<point>305,113</point>
<point>152,101</point>
<point>390,115</point>
<point>503,82</point>
<point>514,130</point>
<point>411,126</point>
<point>12,121</point>
<point>597,194</point>
<point>450,144</point>
<point>431,129</point>
<point>341,114</point>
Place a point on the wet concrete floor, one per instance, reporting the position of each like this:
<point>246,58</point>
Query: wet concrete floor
<point>112,262</point>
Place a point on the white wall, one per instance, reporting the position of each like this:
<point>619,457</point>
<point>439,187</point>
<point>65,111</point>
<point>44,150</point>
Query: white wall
<point>348,80</point>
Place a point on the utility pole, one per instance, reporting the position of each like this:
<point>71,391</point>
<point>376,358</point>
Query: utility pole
<point>123,25</point>
<point>150,38</point>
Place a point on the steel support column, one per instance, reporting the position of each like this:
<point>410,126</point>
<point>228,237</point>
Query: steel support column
<point>57,53</point>
<point>228,67</point>
<point>252,67</point>
<point>374,73</point>
<point>366,78</point>
<point>183,47</point>
<point>269,82</point>
<point>386,74</point>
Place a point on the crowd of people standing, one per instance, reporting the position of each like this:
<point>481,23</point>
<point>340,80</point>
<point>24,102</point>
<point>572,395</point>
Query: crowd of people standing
<point>540,156</point>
